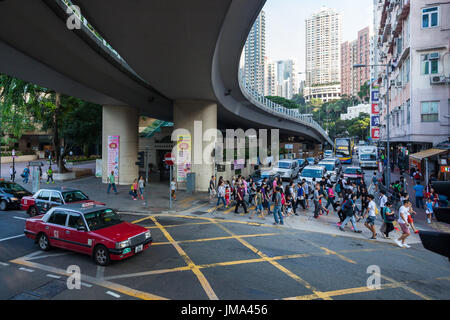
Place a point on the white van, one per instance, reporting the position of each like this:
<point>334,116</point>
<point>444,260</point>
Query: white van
<point>288,169</point>
<point>311,172</point>
<point>368,157</point>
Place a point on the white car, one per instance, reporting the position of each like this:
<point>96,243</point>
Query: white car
<point>288,169</point>
<point>311,172</point>
<point>331,169</point>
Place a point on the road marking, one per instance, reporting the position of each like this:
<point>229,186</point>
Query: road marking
<point>100,272</point>
<point>180,225</point>
<point>102,283</point>
<point>87,285</point>
<point>4,264</point>
<point>148,273</point>
<point>203,281</point>
<point>331,252</point>
<point>20,218</point>
<point>14,237</point>
<point>26,270</point>
<point>278,266</point>
<point>53,276</point>
<point>47,256</point>
<point>404,286</point>
<point>115,295</point>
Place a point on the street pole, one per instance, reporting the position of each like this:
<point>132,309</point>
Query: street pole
<point>388,171</point>
<point>146,177</point>
<point>170,191</point>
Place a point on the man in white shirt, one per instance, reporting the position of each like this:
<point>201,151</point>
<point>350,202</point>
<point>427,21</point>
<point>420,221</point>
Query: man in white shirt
<point>370,222</point>
<point>404,225</point>
<point>383,201</point>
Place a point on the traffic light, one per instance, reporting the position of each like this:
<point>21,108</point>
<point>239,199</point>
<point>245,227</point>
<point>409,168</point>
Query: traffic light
<point>141,160</point>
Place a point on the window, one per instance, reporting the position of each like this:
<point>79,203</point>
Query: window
<point>408,112</point>
<point>429,66</point>
<point>44,195</point>
<point>58,218</point>
<point>55,197</point>
<point>75,221</point>
<point>430,17</point>
<point>430,111</point>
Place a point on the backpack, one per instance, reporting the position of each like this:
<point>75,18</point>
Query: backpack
<point>347,208</point>
<point>417,175</point>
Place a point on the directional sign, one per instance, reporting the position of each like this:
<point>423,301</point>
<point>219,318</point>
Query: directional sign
<point>375,120</point>
<point>169,159</point>
<point>376,133</point>
<point>375,109</point>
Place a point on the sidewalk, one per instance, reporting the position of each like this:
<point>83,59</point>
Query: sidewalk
<point>198,205</point>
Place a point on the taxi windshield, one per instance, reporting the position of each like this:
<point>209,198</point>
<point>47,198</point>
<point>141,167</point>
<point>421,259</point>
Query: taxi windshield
<point>352,171</point>
<point>11,187</point>
<point>327,166</point>
<point>74,196</point>
<point>102,219</point>
<point>284,165</point>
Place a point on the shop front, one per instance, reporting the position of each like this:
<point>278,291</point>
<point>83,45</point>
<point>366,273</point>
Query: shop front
<point>431,163</point>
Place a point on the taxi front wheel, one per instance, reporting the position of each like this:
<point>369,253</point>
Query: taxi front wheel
<point>43,242</point>
<point>101,255</point>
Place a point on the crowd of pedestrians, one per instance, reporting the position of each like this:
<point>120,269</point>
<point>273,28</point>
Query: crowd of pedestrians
<point>349,200</point>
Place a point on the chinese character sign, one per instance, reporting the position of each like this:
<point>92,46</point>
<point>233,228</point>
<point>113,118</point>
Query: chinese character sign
<point>113,155</point>
<point>375,109</point>
<point>375,121</point>
<point>375,112</point>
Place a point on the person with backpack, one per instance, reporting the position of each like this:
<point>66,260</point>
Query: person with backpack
<point>388,220</point>
<point>417,176</point>
<point>26,174</point>
<point>240,192</point>
<point>300,198</point>
<point>348,208</point>
<point>258,198</point>
<point>375,181</point>
<point>331,197</point>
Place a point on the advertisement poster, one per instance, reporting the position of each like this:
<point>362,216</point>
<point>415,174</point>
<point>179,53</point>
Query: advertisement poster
<point>113,156</point>
<point>239,164</point>
<point>184,145</point>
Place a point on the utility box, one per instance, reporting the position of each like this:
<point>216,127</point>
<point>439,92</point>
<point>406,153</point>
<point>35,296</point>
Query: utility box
<point>190,183</point>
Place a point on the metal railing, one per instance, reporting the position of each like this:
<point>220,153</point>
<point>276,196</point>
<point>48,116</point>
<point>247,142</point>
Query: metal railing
<point>292,114</point>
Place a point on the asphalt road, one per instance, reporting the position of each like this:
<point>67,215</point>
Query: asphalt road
<point>200,258</point>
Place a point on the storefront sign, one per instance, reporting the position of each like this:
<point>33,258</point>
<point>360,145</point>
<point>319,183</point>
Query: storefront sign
<point>375,120</point>
<point>375,133</point>
<point>445,169</point>
<point>375,97</point>
<point>113,156</point>
<point>184,145</point>
<point>375,108</point>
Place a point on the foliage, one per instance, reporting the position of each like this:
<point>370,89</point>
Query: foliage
<point>364,92</point>
<point>289,104</point>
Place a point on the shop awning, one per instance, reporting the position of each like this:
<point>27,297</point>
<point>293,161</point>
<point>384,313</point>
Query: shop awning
<point>427,154</point>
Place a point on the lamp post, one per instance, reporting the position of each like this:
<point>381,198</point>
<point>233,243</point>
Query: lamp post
<point>388,168</point>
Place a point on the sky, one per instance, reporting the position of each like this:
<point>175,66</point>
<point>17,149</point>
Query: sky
<point>285,24</point>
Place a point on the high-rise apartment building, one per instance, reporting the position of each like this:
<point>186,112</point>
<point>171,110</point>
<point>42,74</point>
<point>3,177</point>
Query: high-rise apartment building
<point>413,39</point>
<point>287,78</point>
<point>323,57</point>
<point>255,53</point>
<point>270,76</point>
<point>355,52</point>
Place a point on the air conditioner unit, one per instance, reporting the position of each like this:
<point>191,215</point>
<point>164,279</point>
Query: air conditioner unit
<point>438,80</point>
<point>434,56</point>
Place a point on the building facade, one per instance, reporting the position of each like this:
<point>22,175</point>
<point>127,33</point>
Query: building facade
<point>255,54</point>
<point>323,57</point>
<point>413,39</point>
<point>355,52</point>
<point>356,111</point>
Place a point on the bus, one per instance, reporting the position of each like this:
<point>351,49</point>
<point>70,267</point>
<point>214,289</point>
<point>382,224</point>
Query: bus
<point>344,149</point>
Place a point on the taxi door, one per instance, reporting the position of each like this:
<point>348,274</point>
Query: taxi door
<point>76,239</point>
<point>56,227</point>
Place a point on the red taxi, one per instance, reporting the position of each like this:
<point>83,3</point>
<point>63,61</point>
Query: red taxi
<point>44,199</point>
<point>353,173</point>
<point>89,229</point>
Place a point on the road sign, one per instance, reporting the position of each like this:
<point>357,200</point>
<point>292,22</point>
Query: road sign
<point>376,133</point>
<point>169,159</point>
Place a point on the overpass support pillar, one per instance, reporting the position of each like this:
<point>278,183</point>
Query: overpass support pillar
<point>192,118</point>
<point>121,122</point>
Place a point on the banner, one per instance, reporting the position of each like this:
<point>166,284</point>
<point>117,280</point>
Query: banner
<point>184,145</point>
<point>113,156</point>
<point>375,132</point>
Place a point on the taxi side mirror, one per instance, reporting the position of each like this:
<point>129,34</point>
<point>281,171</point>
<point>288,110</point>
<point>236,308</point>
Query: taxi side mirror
<point>81,228</point>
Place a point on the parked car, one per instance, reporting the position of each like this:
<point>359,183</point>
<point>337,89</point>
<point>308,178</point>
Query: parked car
<point>288,169</point>
<point>11,194</point>
<point>311,172</point>
<point>89,229</point>
<point>47,198</point>
<point>353,173</point>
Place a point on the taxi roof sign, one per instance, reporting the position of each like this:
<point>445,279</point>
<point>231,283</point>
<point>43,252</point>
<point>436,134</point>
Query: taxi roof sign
<point>88,204</point>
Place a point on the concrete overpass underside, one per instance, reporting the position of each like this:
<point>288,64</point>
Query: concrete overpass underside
<point>177,51</point>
